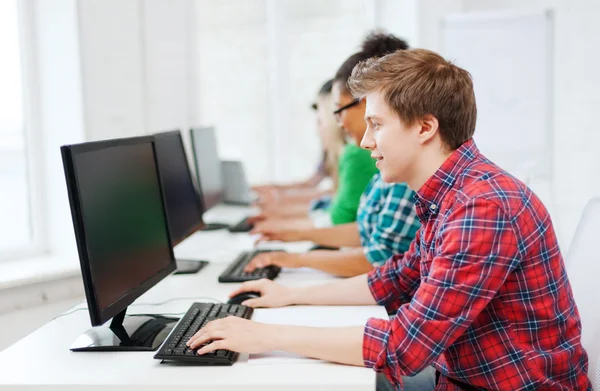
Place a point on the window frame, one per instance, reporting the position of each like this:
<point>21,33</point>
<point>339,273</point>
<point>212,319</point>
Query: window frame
<point>38,243</point>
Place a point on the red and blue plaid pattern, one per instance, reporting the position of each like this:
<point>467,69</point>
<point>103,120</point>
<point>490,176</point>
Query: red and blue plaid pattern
<point>482,293</point>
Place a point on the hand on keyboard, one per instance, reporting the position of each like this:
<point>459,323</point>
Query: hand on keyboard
<point>276,258</point>
<point>233,333</point>
<point>272,295</point>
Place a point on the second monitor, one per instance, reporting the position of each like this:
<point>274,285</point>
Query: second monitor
<point>182,203</point>
<point>210,175</point>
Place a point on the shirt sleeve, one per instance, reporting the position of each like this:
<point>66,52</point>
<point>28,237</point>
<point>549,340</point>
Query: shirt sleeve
<point>476,251</point>
<point>356,170</point>
<point>395,227</point>
<point>395,282</point>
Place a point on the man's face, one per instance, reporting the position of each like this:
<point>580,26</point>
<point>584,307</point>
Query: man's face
<point>394,145</point>
<point>352,118</point>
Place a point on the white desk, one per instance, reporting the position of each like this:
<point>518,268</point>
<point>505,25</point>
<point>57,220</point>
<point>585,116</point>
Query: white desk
<point>42,360</point>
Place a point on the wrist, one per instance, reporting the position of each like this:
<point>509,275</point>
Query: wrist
<point>295,296</point>
<point>306,259</point>
<point>277,337</point>
<point>285,337</point>
<point>297,235</point>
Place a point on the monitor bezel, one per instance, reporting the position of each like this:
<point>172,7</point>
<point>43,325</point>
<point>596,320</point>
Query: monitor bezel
<point>199,180</point>
<point>199,202</point>
<point>99,316</point>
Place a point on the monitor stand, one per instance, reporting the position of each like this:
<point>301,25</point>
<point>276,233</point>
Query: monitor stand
<point>214,226</point>
<point>132,333</point>
<point>189,266</point>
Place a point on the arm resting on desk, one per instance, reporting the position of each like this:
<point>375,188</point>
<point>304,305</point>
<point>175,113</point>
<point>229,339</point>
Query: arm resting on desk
<point>340,344</point>
<point>341,263</point>
<point>342,235</point>
<point>348,263</point>
<point>350,291</point>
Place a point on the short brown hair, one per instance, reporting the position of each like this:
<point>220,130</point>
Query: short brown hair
<point>418,82</point>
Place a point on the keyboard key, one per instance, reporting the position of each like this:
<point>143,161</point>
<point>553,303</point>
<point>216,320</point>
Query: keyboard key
<point>214,311</point>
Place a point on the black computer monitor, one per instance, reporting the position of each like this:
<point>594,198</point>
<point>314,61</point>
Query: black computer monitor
<point>183,205</point>
<point>122,237</point>
<point>208,166</point>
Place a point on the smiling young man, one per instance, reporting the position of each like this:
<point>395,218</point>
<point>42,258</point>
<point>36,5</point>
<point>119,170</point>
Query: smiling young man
<point>481,295</point>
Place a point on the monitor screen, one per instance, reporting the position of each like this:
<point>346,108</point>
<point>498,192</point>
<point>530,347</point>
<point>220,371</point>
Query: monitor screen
<point>120,222</point>
<point>208,166</point>
<point>184,211</point>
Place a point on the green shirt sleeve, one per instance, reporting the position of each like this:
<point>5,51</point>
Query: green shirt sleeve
<point>356,168</point>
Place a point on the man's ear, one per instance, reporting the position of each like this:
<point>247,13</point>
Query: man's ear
<point>428,127</point>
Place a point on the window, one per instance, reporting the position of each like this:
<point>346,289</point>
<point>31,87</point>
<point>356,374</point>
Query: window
<point>16,229</point>
<point>260,65</point>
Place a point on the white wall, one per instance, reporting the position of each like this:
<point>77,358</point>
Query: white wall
<point>136,61</point>
<point>576,138</point>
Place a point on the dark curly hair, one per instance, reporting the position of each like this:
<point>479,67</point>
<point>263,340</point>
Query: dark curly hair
<point>376,44</point>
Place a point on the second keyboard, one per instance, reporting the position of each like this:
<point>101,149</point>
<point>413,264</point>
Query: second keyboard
<point>235,271</point>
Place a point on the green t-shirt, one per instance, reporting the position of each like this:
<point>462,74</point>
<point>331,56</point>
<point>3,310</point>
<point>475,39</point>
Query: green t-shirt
<point>356,168</point>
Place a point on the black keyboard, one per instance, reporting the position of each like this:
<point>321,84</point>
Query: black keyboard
<point>235,271</point>
<point>174,348</point>
<point>242,226</point>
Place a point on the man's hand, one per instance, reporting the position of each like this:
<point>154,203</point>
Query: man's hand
<point>256,219</point>
<point>272,295</point>
<point>233,333</point>
<point>276,258</point>
<point>273,233</point>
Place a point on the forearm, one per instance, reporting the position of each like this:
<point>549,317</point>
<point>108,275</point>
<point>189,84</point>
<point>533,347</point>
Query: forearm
<point>303,195</point>
<point>341,263</point>
<point>341,345</point>
<point>350,291</point>
<point>343,235</point>
<point>288,209</point>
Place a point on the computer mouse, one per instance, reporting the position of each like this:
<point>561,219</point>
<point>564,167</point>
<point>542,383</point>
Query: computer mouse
<point>240,298</point>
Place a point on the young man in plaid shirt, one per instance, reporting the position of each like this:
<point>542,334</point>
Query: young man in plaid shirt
<point>481,295</point>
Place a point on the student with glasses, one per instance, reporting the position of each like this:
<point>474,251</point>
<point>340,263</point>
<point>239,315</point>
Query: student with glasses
<point>386,219</point>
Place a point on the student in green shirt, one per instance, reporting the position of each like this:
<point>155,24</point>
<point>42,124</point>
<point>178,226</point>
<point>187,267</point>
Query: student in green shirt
<point>356,170</point>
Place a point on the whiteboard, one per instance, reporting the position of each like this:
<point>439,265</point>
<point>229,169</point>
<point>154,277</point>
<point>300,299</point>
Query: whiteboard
<point>510,57</point>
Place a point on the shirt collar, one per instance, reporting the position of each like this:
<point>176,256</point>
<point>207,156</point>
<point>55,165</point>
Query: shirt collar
<point>431,194</point>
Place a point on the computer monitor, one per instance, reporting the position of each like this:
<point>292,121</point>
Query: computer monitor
<point>209,171</point>
<point>122,236</point>
<point>183,205</point>
<point>208,166</point>
<point>237,189</point>
<point>182,202</point>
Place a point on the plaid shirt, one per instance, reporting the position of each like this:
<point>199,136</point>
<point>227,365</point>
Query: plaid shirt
<point>482,293</point>
<point>387,220</point>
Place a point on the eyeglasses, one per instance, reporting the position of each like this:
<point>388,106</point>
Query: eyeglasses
<point>351,104</point>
